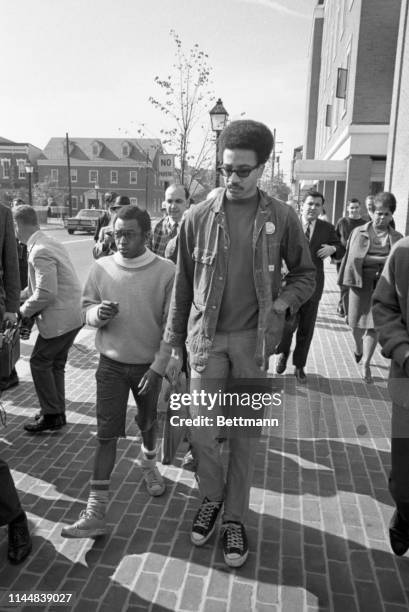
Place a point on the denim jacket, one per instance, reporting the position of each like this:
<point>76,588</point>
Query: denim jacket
<point>202,267</point>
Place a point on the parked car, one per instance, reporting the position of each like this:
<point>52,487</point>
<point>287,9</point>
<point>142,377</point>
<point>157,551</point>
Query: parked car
<point>85,221</point>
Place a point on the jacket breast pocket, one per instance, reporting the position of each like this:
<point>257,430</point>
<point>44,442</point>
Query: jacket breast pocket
<point>204,268</point>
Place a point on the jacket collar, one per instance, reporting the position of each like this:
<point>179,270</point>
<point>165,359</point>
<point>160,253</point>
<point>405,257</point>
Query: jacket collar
<point>33,239</point>
<point>217,202</point>
<point>364,229</point>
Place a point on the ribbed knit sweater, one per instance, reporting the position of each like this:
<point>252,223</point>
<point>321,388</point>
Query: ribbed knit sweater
<point>142,286</point>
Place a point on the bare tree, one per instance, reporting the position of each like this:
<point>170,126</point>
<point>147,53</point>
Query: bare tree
<point>46,191</point>
<point>185,98</point>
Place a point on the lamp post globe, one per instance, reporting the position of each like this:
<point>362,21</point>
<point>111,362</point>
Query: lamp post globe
<point>218,119</point>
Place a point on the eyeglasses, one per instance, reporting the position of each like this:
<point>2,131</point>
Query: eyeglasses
<point>241,172</point>
<point>127,235</point>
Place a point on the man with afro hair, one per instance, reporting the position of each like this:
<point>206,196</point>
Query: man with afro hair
<point>229,304</point>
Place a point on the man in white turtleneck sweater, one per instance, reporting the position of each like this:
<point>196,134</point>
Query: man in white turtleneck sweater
<point>127,298</point>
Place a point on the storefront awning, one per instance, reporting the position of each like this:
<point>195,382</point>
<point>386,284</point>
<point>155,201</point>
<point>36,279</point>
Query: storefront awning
<point>320,169</point>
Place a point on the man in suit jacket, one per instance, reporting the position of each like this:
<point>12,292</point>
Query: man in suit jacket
<point>176,202</point>
<point>54,300</point>
<point>324,243</point>
<point>9,271</point>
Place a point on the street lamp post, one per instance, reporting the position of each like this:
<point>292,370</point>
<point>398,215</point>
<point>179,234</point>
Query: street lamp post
<point>96,194</point>
<point>218,118</point>
<point>29,171</point>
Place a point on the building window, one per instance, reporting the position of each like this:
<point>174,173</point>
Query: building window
<point>134,201</point>
<point>74,175</point>
<point>114,176</point>
<point>342,80</point>
<point>133,177</point>
<point>74,201</point>
<point>5,164</point>
<point>376,187</point>
<point>96,148</point>
<point>21,165</point>
<point>328,116</point>
<point>93,176</point>
<point>54,175</point>
<point>126,149</point>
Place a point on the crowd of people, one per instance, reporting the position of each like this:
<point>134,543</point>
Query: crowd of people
<point>213,290</point>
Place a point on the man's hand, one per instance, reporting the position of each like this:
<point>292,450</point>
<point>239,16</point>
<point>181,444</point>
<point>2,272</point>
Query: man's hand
<point>107,241</point>
<point>280,306</point>
<point>27,324</point>
<point>107,310</point>
<point>10,316</point>
<point>326,250</point>
<point>148,381</point>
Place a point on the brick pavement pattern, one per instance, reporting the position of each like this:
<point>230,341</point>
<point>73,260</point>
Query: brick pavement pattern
<point>319,503</point>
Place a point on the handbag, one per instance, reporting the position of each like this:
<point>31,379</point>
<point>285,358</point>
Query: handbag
<point>9,348</point>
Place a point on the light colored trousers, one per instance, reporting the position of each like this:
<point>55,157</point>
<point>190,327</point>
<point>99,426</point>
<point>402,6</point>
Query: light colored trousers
<point>231,357</point>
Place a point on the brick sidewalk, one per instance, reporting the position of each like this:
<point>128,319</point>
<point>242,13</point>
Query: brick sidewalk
<point>319,502</point>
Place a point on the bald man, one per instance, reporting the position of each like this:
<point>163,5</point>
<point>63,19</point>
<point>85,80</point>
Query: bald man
<point>176,202</point>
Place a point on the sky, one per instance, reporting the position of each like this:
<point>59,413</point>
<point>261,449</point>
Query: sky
<point>88,66</point>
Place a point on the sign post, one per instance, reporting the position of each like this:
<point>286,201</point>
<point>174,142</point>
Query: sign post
<point>166,168</point>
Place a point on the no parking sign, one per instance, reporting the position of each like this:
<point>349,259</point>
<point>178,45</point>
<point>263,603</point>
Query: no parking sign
<point>166,167</point>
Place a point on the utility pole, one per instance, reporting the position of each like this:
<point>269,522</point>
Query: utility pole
<point>146,181</point>
<point>217,178</point>
<point>273,158</point>
<point>67,146</point>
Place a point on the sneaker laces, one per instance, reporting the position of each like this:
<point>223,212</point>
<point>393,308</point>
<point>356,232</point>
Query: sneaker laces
<point>205,514</point>
<point>234,535</point>
<point>87,514</point>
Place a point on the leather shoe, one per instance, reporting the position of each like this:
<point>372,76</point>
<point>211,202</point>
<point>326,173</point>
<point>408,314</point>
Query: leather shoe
<point>9,383</point>
<point>358,357</point>
<point>398,534</point>
<point>300,375</point>
<point>281,363</point>
<point>46,422</point>
<point>19,545</point>
<point>37,416</point>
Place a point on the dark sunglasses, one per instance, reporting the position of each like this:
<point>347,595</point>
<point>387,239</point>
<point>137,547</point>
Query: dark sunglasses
<point>241,172</point>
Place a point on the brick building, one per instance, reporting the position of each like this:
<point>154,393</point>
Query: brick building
<point>349,96</point>
<point>13,176</point>
<point>128,166</point>
<point>397,173</point>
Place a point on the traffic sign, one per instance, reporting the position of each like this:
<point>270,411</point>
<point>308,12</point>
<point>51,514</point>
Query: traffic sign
<point>166,167</point>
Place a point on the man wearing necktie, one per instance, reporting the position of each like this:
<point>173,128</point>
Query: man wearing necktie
<point>324,243</point>
<point>176,202</point>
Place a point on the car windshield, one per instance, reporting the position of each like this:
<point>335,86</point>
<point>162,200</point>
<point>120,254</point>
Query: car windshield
<point>89,214</point>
